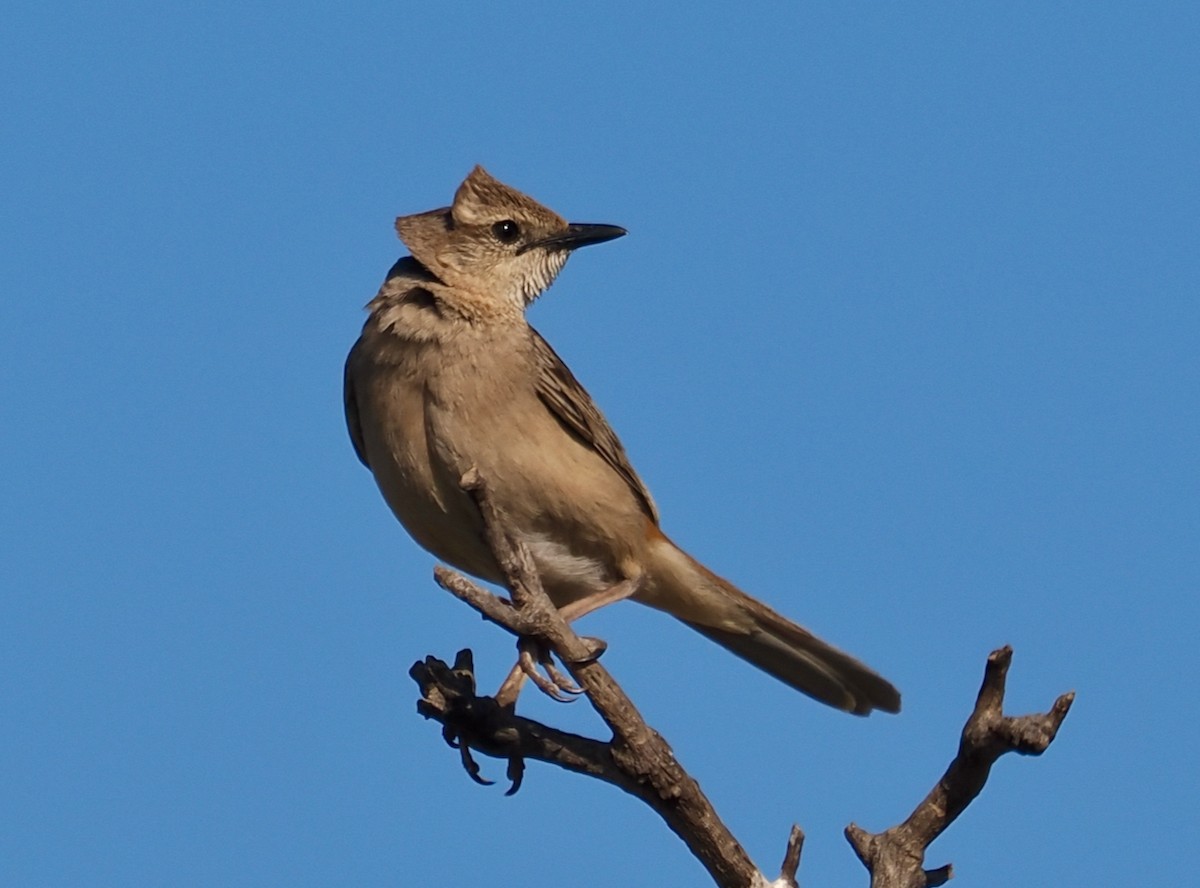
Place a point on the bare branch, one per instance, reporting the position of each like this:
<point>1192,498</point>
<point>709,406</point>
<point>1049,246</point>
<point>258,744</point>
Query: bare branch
<point>895,857</point>
<point>638,761</point>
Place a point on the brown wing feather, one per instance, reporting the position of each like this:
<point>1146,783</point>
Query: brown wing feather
<point>573,406</point>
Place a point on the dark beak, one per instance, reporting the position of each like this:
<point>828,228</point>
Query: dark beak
<point>578,234</point>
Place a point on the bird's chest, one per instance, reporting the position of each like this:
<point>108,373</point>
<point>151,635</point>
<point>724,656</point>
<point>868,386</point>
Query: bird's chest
<point>434,416</point>
<point>450,407</point>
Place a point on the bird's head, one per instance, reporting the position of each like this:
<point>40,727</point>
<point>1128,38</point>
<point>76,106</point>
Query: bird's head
<point>495,242</point>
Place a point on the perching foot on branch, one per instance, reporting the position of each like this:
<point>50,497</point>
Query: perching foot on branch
<point>533,658</point>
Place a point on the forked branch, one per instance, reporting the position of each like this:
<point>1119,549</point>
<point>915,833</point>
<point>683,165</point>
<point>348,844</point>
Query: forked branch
<point>895,857</point>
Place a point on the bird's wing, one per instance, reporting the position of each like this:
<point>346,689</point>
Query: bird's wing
<point>573,406</point>
<point>353,425</point>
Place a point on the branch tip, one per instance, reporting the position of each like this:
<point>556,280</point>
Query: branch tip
<point>791,857</point>
<point>862,842</point>
<point>939,876</point>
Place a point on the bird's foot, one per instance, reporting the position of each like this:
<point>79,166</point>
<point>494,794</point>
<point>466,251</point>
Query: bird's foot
<point>535,663</point>
<point>532,654</point>
<point>534,659</point>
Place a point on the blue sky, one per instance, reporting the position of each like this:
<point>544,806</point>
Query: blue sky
<point>903,339</point>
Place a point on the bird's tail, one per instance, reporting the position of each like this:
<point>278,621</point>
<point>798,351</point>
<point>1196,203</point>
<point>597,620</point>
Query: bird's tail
<point>714,607</point>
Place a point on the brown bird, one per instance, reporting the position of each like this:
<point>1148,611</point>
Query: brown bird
<point>448,375</point>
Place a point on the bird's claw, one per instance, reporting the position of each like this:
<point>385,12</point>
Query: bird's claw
<point>595,647</point>
<point>554,683</point>
<point>472,767</point>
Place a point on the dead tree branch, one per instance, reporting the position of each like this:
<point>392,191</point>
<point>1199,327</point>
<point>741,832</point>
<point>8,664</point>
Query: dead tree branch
<point>640,762</point>
<point>895,857</point>
<point>636,759</point>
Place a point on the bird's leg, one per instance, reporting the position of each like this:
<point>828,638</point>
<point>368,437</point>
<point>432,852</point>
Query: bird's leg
<point>510,688</point>
<point>581,607</point>
<point>531,653</point>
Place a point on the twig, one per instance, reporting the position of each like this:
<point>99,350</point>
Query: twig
<point>791,858</point>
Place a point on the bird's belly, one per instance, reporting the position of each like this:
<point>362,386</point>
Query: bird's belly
<point>451,530</point>
<point>450,533</point>
<point>577,516</point>
<point>567,575</point>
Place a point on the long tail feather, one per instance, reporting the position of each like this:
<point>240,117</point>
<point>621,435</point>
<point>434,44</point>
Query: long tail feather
<point>745,626</point>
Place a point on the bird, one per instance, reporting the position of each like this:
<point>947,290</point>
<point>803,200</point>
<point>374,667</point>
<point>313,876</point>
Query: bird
<point>448,376</point>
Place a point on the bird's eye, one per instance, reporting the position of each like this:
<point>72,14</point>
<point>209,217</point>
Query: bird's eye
<point>506,231</point>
